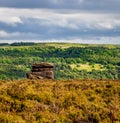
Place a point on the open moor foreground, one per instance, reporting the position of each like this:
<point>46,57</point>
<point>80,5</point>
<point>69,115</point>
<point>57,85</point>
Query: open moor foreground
<point>65,101</point>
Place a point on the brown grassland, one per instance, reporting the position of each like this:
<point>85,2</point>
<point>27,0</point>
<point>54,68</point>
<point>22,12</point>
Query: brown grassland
<point>64,101</point>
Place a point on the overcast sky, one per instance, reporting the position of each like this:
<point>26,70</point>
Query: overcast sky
<point>82,21</point>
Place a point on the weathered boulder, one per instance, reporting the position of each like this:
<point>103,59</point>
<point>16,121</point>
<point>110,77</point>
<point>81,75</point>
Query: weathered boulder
<point>41,71</point>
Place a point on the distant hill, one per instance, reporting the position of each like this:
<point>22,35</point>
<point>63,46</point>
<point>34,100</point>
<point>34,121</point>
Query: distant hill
<point>70,101</point>
<point>71,60</point>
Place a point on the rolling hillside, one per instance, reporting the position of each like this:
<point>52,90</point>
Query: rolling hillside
<point>71,60</point>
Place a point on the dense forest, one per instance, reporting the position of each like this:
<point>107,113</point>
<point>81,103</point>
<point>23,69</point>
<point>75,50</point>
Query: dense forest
<point>71,60</point>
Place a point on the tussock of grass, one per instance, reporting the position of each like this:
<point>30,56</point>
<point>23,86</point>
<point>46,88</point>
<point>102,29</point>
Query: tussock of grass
<point>49,101</point>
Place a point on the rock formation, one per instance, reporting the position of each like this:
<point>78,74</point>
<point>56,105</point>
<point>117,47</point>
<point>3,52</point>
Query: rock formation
<point>41,71</point>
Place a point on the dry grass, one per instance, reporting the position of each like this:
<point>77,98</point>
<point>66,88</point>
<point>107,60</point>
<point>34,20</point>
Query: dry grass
<point>50,101</point>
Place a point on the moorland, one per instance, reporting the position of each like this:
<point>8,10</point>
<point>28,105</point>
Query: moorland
<point>60,101</point>
<point>86,88</point>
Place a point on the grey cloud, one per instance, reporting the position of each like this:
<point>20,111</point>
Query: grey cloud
<point>35,29</point>
<point>82,5</point>
<point>60,19</point>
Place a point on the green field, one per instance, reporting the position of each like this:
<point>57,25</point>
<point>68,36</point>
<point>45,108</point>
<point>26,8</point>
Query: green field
<point>88,67</point>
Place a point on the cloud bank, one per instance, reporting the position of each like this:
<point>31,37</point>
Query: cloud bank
<point>79,21</point>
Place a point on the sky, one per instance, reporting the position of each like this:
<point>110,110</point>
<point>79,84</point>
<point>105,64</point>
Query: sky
<point>77,21</point>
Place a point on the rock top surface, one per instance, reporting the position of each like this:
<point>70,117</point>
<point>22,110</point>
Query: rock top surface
<point>43,64</point>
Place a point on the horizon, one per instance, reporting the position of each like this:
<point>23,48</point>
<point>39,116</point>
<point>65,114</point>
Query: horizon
<point>59,41</point>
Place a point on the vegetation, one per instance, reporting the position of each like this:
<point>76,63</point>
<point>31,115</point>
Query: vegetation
<point>60,101</point>
<point>71,60</point>
<point>88,67</point>
<point>70,101</point>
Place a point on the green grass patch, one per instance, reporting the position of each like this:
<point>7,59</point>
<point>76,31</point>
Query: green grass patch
<point>88,67</point>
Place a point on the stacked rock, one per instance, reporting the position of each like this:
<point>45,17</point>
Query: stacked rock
<point>42,71</point>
